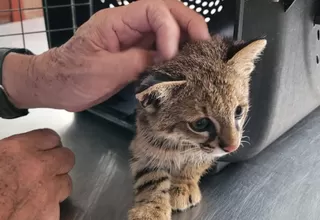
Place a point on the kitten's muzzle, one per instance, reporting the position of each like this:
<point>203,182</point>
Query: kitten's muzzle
<point>226,147</point>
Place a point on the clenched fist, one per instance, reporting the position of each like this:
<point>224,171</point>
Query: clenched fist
<point>34,176</point>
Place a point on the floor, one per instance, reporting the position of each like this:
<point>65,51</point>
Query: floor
<point>36,42</point>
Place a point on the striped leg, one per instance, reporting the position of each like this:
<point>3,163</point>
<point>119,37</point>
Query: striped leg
<point>152,198</point>
<point>184,191</point>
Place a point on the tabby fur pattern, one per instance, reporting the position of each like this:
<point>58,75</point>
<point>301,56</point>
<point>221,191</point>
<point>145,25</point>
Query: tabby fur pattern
<point>191,111</point>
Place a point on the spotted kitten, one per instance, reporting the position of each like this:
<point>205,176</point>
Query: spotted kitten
<point>192,110</point>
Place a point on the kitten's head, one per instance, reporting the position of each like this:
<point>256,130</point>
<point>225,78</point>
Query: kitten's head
<point>201,97</point>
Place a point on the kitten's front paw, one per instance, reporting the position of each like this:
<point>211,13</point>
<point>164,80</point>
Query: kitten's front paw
<point>184,196</point>
<point>149,212</point>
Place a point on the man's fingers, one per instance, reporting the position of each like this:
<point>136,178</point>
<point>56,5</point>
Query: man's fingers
<point>166,29</point>
<point>141,18</point>
<point>42,139</point>
<point>166,18</point>
<point>189,21</point>
<point>64,187</point>
<point>58,161</point>
<point>127,25</point>
<point>147,42</point>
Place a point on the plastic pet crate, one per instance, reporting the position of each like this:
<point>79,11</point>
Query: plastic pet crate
<point>284,87</point>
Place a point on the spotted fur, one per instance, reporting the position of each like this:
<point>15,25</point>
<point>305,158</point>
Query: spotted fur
<point>207,79</point>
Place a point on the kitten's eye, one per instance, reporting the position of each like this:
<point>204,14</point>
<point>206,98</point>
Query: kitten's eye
<point>239,112</point>
<point>201,125</point>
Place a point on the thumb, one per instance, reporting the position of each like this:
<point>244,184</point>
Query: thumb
<point>132,62</point>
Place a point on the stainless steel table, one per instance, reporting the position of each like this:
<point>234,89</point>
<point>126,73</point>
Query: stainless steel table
<point>282,183</point>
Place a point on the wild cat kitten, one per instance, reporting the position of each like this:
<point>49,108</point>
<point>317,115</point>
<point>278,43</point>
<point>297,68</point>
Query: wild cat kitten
<point>192,110</point>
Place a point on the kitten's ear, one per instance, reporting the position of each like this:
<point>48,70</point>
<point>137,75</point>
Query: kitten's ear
<point>155,89</point>
<point>243,61</point>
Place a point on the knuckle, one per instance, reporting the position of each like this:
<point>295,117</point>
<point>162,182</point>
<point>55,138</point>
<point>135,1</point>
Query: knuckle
<point>12,137</point>
<point>48,132</point>
<point>157,5</point>
<point>70,156</point>
<point>33,169</point>
<point>54,136</point>
<point>38,165</point>
<point>11,144</point>
<point>159,2</point>
<point>13,141</point>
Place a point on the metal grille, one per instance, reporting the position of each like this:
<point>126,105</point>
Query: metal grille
<point>41,24</point>
<point>26,23</point>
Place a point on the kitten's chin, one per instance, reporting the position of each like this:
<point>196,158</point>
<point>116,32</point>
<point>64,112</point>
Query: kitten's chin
<point>215,151</point>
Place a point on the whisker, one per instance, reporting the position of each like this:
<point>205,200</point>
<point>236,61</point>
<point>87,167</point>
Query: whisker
<point>246,122</point>
<point>247,142</point>
<point>192,149</point>
<point>244,137</point>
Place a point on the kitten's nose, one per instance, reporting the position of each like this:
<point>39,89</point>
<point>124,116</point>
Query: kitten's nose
<point>226,147</point>
<point>230,149</point>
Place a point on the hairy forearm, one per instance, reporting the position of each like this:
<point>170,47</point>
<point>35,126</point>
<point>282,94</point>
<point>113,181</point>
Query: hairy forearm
<point>32,81</point>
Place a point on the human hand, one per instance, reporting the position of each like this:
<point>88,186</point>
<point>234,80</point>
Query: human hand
<point>108,52</point>
<point>33,176</point>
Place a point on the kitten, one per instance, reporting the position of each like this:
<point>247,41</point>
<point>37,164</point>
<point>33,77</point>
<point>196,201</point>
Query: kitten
<point>192,110</point>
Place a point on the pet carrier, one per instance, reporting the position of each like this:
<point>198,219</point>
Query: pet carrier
<point>284,87</point>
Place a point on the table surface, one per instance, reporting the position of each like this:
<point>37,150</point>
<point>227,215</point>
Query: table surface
<point>281,183</point>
